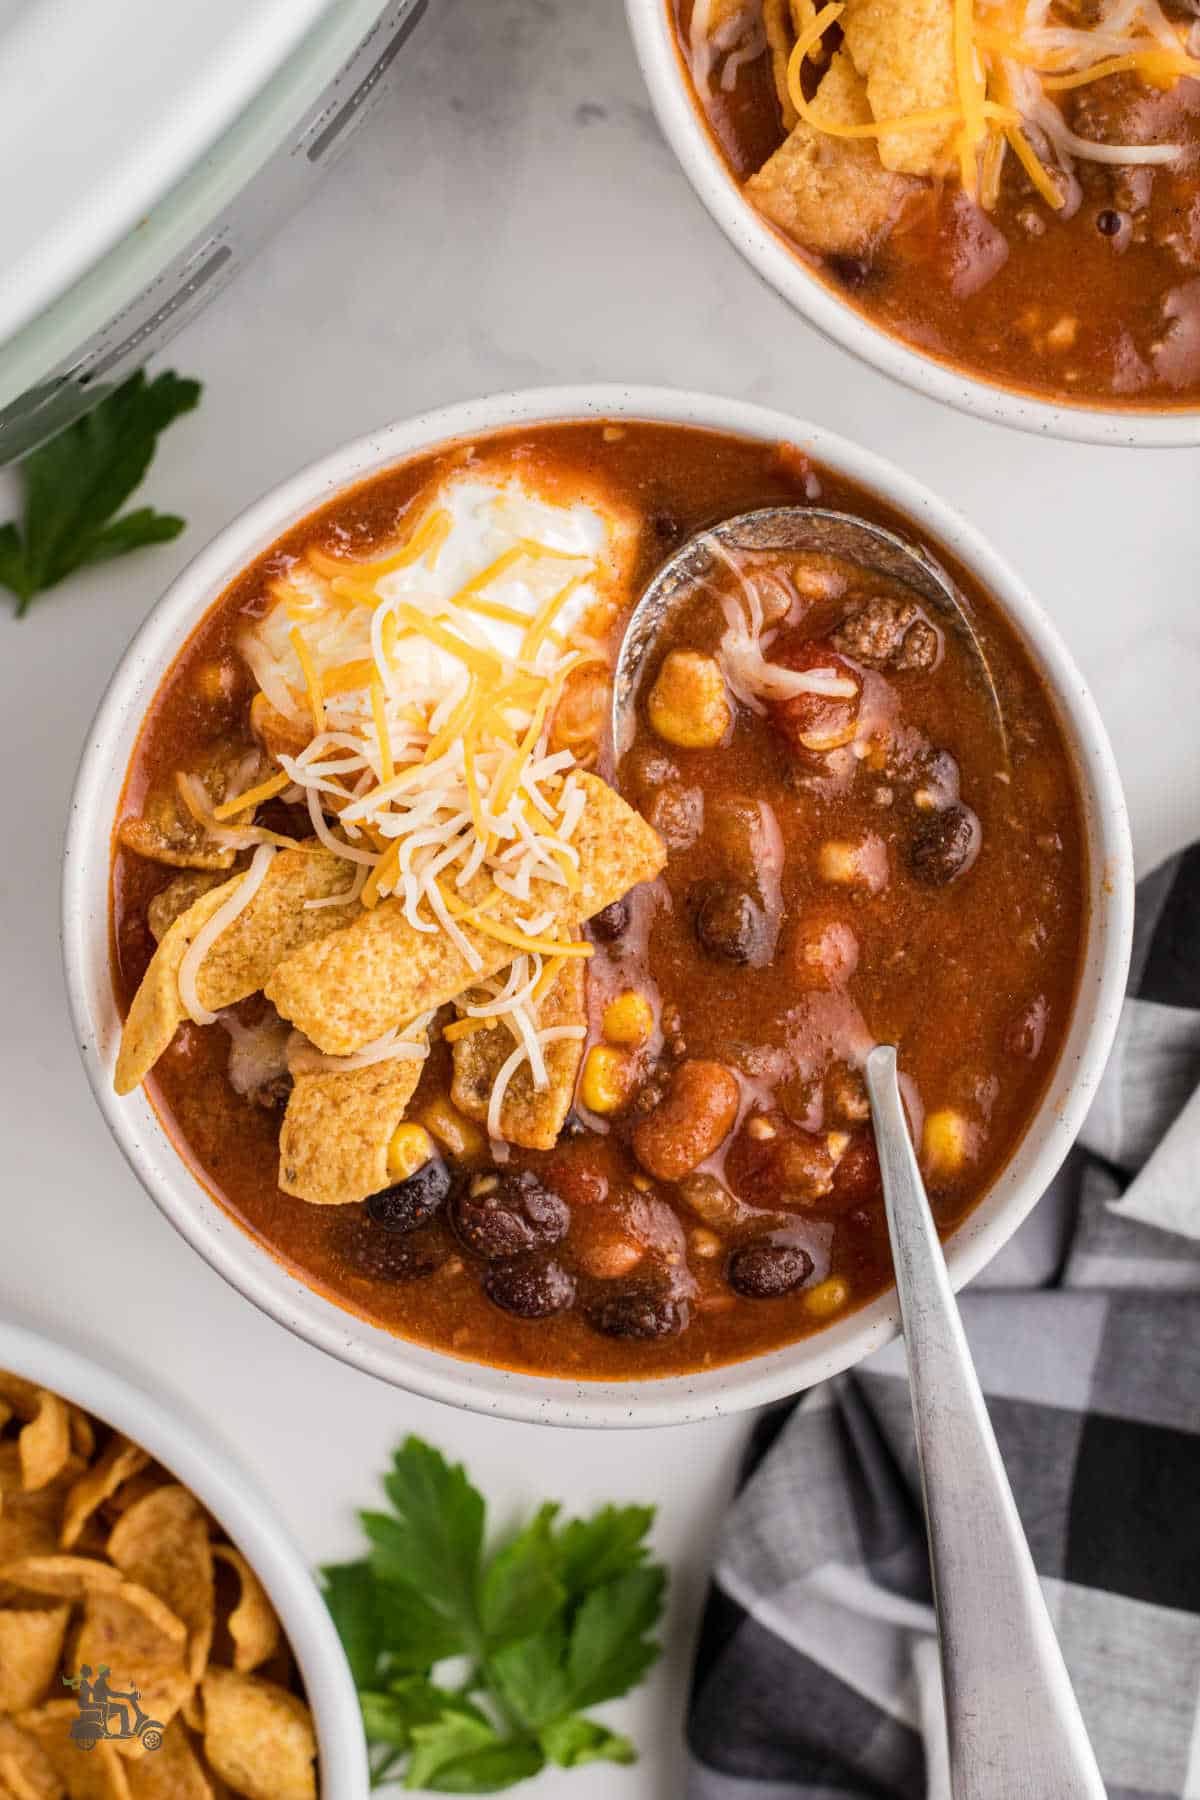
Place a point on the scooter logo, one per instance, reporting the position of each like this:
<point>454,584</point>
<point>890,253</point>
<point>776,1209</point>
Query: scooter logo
<point>107,1712</point>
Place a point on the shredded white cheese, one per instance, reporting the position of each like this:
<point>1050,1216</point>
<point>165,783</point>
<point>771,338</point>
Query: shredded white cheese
<point>208,934</point>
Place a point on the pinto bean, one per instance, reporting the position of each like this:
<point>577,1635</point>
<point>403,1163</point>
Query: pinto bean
<point>690,1122</point>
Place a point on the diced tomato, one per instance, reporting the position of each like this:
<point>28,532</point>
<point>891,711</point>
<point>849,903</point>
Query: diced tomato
<point>814,724</point>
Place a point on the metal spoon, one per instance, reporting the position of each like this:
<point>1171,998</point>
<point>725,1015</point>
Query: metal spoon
<point>1014,1724</point>
<point>791,528</point>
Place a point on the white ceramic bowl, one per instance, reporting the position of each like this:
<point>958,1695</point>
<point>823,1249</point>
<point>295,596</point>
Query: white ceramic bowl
<point>253,1270</point>
<point>205,1466</point>
<point>786,272</point>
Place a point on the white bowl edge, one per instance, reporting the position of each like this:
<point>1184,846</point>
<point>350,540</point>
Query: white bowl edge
<point>206,1466</point>
<point>785,271</point>
<point>250,1268</point>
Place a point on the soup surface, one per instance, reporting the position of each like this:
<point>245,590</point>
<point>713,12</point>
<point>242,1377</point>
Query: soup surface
<point>821,842</point>
<point>1049,242</point>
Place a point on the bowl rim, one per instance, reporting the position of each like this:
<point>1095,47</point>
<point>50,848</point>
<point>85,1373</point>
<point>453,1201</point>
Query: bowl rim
<point>785,271</point>
<point>191,1452</point>
<point>649,1401</point>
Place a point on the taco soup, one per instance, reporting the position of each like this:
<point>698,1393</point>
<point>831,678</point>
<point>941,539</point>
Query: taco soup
<point>549,1057</point>
<point>1012,189</point>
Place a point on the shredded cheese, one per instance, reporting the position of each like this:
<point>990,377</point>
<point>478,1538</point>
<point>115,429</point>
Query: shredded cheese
<point>429,699</point>
<point>404,1043</point>
<point>993,111</point>
<point>266,790</point>
<point>527,1051</point>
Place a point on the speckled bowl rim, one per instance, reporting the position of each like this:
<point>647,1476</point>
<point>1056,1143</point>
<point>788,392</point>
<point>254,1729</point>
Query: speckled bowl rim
<point>785,271</point>
<point>249,1267</point>
<point>203,1464</point>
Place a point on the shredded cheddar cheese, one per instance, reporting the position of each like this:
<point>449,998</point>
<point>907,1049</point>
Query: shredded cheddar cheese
<point>1005,78</point>
<point>427,682</point>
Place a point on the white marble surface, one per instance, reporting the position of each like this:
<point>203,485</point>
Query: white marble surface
<point>510,217</point>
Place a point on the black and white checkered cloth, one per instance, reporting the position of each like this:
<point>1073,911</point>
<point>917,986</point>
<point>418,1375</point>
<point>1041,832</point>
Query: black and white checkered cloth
<point>817,1675</point>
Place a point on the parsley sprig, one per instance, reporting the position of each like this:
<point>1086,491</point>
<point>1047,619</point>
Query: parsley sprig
<point>555,1621</point>
<point>75,485</point>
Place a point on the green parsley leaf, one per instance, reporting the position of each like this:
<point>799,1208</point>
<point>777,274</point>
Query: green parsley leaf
<point>531,1678</point>
<point>460,1756</point>
<point>574,1741</point>
<point>352,1595</point>
<point>521,1592</point>
<point>609,1652</point>
<point>392,1717</point>
<point>387,1629</point>
<point>592,1551</point>
<point>433,1541</point>
<point>76,484</point>
<point>555,1620</point>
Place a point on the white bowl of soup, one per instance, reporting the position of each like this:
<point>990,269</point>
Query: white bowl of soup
<point>132,1536</point>
<point>530,1079</point>
<point>1043,273</point>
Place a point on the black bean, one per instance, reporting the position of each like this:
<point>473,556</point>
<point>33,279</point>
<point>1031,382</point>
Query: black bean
<point>639,1312</point>
<point>505,1215</point>
<point>364,1250</point>
<point>854,272</point>
<point>1108,222</point>
<point>944,845</point>
<point>728,921</point>
<point>528,1288</point>
<point>414,1201</point>
<point>611,923</point>
<point>765,1269</point>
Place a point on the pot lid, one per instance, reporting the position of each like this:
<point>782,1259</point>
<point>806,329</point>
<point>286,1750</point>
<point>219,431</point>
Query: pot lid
<point>104,105</point>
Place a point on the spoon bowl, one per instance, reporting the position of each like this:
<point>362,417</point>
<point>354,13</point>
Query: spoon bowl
<point>791,528</point>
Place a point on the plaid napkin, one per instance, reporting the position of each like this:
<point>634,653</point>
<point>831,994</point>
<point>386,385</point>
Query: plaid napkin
<point>817,1674</point>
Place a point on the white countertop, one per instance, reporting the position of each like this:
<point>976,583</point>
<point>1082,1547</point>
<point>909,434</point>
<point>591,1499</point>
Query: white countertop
<point>510,217</point>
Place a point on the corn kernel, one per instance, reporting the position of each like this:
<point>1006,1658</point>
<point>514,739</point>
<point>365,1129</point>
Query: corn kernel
<point>605,1079</point>
<point>838,862</point>
<point>687,703</point>
<point>410,1149</point>
<point>704,1242</point>
<point>863,864</point>
<point>458,1135</point>
<point>629,1019</point>
<point>827,1298</point>
<point>945,1142</point>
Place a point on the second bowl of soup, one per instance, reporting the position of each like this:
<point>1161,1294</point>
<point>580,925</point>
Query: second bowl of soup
<point>525,1069</point>
<point>998,206</point>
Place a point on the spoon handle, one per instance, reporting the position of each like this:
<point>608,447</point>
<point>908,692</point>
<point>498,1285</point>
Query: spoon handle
<point>1014,1724</point>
